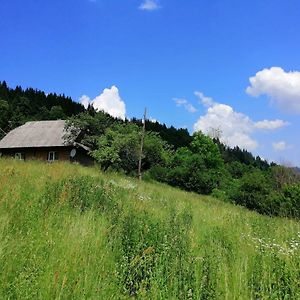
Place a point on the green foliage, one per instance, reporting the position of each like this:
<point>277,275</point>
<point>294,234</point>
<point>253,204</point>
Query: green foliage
<point>175,137</point>
<point>57,113</point>
<point>243,156</point>
<point>237,169</point>
<point>20,112</point>
<point>158,173</point>
<point>32,105</point>
<point>198,168</point>
<point>258,191</point>
<point>156,152</point>
<point>253,191</point>
<point>91,126</point>
<point>191,173</point>
<point>119,149</point>
<point>4,111</point>
<point>291,200</point>
<point>204,146</point>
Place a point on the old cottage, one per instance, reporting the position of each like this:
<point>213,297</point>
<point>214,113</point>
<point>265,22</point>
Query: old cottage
<point>44,140</point>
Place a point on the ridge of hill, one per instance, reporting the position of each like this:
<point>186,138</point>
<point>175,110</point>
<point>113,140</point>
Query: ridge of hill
<point>73,232</point>
<point>297,170</point>
<point>195,163</point>
<point>18,106</point>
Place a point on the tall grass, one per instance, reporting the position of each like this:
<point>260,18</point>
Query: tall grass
<point>68,232</point>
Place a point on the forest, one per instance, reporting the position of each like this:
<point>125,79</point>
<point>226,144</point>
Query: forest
<point>196,163</point>
<point>17,106</point>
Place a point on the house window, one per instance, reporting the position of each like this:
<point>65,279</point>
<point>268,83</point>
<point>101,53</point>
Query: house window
<point>52,156</point>
<point>20,156</point>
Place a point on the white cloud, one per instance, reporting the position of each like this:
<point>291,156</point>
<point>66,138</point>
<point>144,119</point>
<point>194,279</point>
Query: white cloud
<point>273,124</point>
<point>206,101</point>
<point>153,120</point>
<point>108,101</point>
<point>283,88</point>
<point>85,101</point>
<point>184,103</point>
<point>280,146</point>
<point>149,5</point>
<point>234,128</point>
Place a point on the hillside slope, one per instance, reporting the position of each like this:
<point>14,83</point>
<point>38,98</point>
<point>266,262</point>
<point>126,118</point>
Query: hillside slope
<point>68,232</point>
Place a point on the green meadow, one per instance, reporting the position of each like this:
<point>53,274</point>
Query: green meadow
<point>68,232</point>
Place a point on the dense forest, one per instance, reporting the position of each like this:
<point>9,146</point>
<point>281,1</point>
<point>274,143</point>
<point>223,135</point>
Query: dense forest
<point>18,106</point>
<point>195,163</point>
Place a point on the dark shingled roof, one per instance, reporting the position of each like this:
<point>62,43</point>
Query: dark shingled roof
<point>36,134</point>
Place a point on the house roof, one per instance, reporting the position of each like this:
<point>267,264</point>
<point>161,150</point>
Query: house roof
<point>35,135</point>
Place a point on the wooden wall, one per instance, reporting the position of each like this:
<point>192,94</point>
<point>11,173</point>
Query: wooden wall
<point>39,153</point>
<point>81,157</point>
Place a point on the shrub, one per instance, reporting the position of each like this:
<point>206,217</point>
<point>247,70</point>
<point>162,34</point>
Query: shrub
<point>158,173</point>
<point>236,169</point>
<point>198,168</point>
<point>291,197</point>
<point>253,192</point>
<point>119,149</point>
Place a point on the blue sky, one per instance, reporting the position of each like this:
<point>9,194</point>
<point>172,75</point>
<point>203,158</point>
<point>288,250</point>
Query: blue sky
<point>189,62</point>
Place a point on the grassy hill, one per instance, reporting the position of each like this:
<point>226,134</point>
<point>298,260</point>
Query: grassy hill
<point>68,232</point>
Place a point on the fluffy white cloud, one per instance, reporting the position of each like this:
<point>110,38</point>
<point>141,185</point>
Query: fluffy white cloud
<point>283,88</point>
<point>149,5</point>
<point>184,103</point>
<point>233,128</point>
<point>109,101</point>
<point>280,146</point>
<point>271,124</point>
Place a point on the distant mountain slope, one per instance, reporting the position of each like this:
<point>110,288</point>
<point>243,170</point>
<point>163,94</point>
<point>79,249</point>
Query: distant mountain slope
<point>297,170</point>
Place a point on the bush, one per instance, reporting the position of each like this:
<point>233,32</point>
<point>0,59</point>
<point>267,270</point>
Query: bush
<point>119,149</point>
<point>158,173</point>
<point>237,169</point>
<point>256,192</point>
<point>198,168</point>
<point>253,192</point>
<point>291,197</point>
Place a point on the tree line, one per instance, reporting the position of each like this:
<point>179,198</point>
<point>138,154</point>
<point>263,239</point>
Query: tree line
<point>17,106</point>
<point>196,163</point>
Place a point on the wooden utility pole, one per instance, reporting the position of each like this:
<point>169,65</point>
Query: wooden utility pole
<point>142,145</point>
